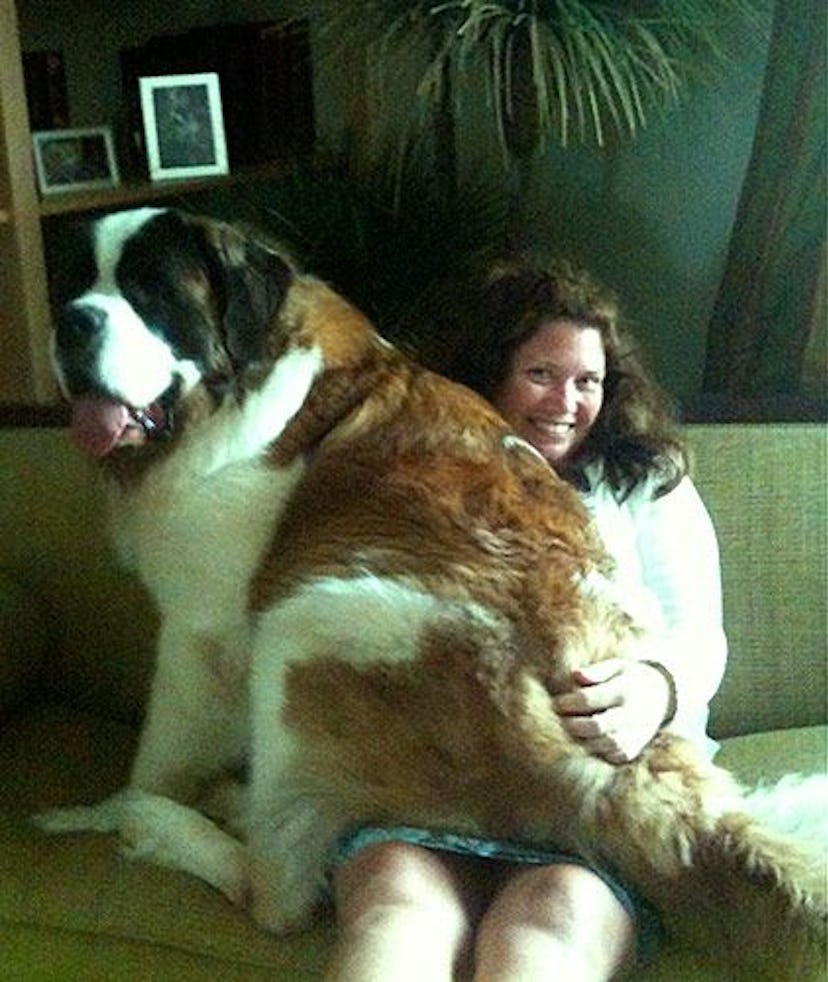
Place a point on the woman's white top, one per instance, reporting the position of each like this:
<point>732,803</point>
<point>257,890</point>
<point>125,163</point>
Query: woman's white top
<point>666,555</point>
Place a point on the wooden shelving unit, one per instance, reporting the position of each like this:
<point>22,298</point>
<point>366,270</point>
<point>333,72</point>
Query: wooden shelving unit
<point>25,373</point>
<point>140,192</point>
<point>26,377</point>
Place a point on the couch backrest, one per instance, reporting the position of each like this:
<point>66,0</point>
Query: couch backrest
<point>766,487</point>
<point>764,484</point>
<point>53,541</point>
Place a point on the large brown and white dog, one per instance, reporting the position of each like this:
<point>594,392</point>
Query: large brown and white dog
<point>370,591</point>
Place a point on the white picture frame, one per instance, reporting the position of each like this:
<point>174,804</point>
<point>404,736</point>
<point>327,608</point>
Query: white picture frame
<point>75,159</point>
<point>183,125</point>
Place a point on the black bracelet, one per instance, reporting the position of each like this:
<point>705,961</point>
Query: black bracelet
<point>667,675</point>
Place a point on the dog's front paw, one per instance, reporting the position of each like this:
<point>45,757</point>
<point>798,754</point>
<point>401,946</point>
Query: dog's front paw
<point>106,816</point>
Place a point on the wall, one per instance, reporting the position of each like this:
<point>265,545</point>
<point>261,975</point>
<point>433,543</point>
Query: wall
<point>651,216</point>
<point>663,212</point>
<point>90,35</point>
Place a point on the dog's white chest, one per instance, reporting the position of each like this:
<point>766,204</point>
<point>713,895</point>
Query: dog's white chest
<point>196,543</point>
<point>196,527</point>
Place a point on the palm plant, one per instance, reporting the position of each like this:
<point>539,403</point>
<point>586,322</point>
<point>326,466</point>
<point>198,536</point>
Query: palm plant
<point>394,234</point>
<point>553,69</point>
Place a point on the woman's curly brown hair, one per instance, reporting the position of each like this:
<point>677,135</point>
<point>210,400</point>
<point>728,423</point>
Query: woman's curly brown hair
<point>635,434</point>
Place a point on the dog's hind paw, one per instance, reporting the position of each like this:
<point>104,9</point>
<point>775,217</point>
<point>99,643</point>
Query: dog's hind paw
<point>281,922</point>
<point>278,906</point>
<point>165,832</point>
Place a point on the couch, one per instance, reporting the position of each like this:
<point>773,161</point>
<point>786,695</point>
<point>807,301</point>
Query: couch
<point>75,663</point>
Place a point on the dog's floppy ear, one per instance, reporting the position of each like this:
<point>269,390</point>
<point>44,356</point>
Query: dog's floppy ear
<point>255,280</point>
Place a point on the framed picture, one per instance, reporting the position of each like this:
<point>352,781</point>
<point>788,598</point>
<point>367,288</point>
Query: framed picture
<point>183,125</point>
<point>75,160</point>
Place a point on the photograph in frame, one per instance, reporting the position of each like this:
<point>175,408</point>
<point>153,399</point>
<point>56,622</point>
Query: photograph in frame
<point>183,125</point>
<point>75,160</point>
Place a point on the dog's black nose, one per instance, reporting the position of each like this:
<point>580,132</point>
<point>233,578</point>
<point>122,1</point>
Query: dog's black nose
<point>79,326</point>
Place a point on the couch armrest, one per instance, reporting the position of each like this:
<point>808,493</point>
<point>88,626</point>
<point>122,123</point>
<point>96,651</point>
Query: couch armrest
<point>23,641</point>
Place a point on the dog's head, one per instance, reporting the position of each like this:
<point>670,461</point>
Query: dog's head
<point>168,303</point>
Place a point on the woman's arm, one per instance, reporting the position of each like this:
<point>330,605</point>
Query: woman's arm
<point>619,706</point>
<point>680,567</point>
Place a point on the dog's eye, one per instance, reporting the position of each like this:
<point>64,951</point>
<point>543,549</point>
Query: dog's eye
<point>135,293</point>
<point>155,305</point>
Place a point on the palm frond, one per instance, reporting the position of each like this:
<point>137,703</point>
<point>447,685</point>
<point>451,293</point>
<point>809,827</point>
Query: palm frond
<point>594,65</point>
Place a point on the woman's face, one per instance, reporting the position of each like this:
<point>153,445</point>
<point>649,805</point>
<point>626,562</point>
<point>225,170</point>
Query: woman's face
<point>554,388</point>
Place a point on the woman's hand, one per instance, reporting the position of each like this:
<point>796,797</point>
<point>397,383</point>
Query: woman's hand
<point>617,709</point>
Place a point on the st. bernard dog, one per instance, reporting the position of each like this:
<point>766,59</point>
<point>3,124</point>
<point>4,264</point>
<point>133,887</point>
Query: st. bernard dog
<point>370,592</point>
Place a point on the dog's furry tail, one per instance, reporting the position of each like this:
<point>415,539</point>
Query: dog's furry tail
<point>796,807</point>
<point>738,876</point>
<point>751,896</point>
<point>771,894</point>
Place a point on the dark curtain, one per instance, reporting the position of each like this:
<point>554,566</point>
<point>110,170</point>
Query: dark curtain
<point>767,330</point>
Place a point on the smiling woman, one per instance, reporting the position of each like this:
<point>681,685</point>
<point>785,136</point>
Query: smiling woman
<point>554,391</point>
<point>507,323</point>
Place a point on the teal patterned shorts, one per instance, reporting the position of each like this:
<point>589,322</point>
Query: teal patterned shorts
<point>649,930</point>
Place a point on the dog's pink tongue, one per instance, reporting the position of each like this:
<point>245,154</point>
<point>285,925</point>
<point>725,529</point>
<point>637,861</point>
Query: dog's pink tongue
<point>98,424</point>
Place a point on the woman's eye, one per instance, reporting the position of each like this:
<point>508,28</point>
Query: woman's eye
<point>540,375</point>
<point>589,383</point>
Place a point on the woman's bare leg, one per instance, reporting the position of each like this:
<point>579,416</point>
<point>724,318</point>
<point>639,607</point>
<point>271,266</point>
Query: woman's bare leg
<point>554,922</point>
<point>404,913</point>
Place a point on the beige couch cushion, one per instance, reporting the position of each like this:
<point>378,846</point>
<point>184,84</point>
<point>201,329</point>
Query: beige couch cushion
<point>23,641</point>
<point>72,908</point>
<point>765,486</point>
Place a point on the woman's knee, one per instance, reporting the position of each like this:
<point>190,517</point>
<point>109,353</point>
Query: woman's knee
<point>402,913</point>
<point>396,875</point>
<point>566,914</point>
<point>563,898</point>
